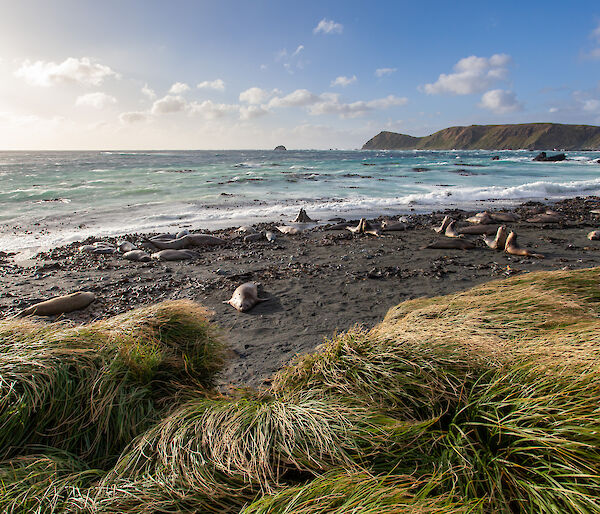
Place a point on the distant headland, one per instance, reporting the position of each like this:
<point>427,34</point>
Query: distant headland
<point>531,136</point>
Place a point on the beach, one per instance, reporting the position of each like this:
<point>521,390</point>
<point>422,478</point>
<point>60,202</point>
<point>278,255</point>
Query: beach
<point>318,282</point>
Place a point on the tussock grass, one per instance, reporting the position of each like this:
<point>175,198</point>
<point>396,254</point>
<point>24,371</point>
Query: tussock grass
<point>482,401</point>
<point>341,492</point>
<point>90,390</point>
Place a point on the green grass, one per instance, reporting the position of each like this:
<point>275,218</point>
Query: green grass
<point>481,401</point>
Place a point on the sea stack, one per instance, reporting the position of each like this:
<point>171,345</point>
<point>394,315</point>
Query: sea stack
<point>280,148</point>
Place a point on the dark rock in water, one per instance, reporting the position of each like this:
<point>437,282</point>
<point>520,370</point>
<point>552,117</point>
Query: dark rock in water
<point>280,148</point>
<point>419,170</point>
<point>549,158</point>
<point>496,158</point>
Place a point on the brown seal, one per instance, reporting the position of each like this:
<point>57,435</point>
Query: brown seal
<point>396,226</point>
<point>513,248</point>
<point>187,242</point>
<point>60,305</point>
<point>546,217</point>
<point>174,255</point>
<point>481,218</point>
<point>478,230</point>
<point>136,256</point>
<point>126,246</point>
<point>451,230</point>
<point>364,227</point>
<point>504,217</point>
<point>445,222</point>
<point>245,297</point>
<point>286,229</point>
<point>498,242</point>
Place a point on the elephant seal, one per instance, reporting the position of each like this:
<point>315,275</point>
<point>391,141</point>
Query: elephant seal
<point>182,233</point>
<point>136,256</point>
<point>174,255</point>
<point>445,222</point>
<point>481,218</point>
<point>270,236</point>
<point>250,238</point>
<point>245,297</point>
<point>60,305</point>
<point>396,226</point>
<point>87,248</point>
<point>103,250</point>
<point>187,241</point>
<point>341,225</point>
<point>126,246</point>
<point>450,244</point>
<point>302,217</point>
<point>504,217</point>
<point>286,229</point>
<point>451,230</point>
<point>478,230</point>
<point>546,217</point>
<point>498,242</point>
<point>364,227</point>
<point>246,228</point>
<point>594,235</point>
<point>513,248</point>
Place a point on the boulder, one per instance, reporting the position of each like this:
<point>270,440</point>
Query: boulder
<point>280,148</point>
<point>549,158</point>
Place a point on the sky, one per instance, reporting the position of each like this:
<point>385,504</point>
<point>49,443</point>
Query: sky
<point>224,74</point>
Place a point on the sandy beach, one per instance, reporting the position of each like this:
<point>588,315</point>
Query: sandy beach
<point>318,282</point>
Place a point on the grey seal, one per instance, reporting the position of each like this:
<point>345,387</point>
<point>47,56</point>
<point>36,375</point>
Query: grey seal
<point>60,305</point>
<point>126,246</point>
<point>451,230</point>
<point>136,256</point>
<point>188,241</point>
<point>498,242</point>
<point>445,222</point>
<point>364,227</point>
<point>245,297</point>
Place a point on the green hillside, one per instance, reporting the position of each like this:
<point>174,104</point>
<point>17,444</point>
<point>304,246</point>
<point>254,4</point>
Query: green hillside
<point>531,136</point>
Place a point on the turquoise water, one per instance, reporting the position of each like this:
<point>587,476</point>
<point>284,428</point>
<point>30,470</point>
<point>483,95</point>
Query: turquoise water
<point>49,198</point>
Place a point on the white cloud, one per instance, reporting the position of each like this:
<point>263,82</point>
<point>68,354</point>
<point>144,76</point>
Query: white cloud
<point>210,110</point>
<point>591,105</point>
<point>256,95</point>
<point>146,91</point>
<point>298,50</point>
<point>343,81</point>
<point>500,101</point>
<point>298,98</point>
<point>97,100</point>
<point>179,88</point>
<point>553,109</point>
<point>328,27</point>
<point>169,104</point>
<point>471,75</point>
<point>252,111</point>
<point>72,70</point>
<point>127,118</point>
<point>217,85</point>
<point>330,104</point>
<point>381,72</point>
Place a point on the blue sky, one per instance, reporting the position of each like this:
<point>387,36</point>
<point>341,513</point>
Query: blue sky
<point>208,74</point>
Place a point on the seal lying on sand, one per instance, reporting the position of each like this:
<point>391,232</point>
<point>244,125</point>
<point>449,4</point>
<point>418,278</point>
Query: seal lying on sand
<point>188,241</point>
<point>450,244</point>
<point>498,242</point>
<point>126,246</point>
<point>303,217</point>
<point>174,255</point>
<point>505,217</point>
<point>136,256</point>
<point>546,217</point>
<point>59,305</point>
<point>451,230</point>
<point>513,248</point>
<point>286,229</point>
<point>245,297</point>
<point>364,227</point>
<point>442,228</point>
<point>389,226</point>
<point>479,229</point>
<point>481,218</point>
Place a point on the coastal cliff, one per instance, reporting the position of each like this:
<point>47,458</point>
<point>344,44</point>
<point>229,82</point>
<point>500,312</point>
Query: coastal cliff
<point>531,136</point>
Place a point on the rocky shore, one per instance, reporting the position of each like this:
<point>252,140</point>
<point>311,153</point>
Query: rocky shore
<point>318,281</point>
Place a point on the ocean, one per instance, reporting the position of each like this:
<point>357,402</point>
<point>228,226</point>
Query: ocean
<point>52,198</point>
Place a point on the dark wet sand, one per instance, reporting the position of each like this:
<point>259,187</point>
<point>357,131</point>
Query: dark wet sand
<point>318,282</point>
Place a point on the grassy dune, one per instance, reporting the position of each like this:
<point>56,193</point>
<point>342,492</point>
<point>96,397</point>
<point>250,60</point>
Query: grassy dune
<point>483,401</point>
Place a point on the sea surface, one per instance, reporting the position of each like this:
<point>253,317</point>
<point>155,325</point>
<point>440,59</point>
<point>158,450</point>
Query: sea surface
<point>52,198</point>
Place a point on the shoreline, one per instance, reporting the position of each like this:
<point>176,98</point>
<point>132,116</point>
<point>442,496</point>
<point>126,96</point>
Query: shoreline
<point>318,282</point>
